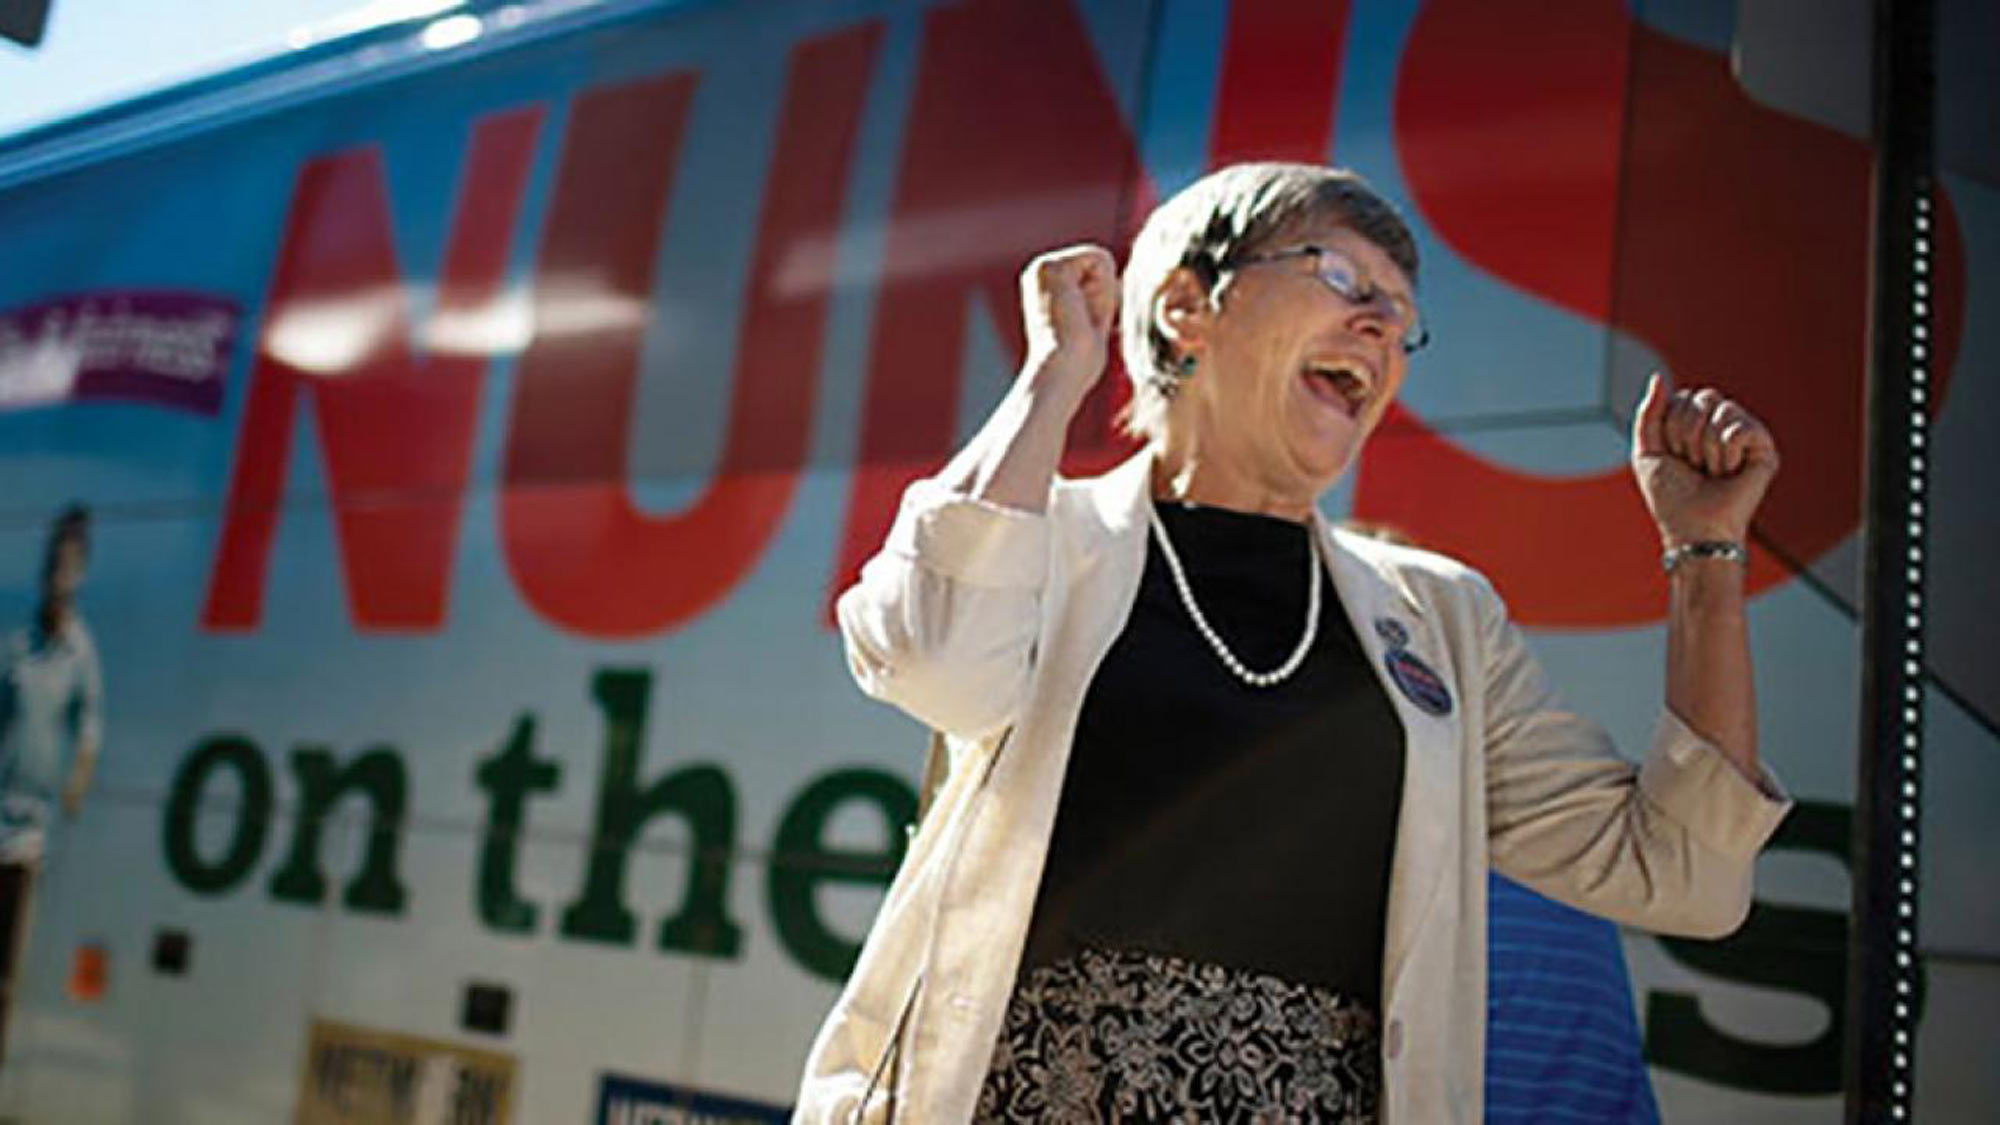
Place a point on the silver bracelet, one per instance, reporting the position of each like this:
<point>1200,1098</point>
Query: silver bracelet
<point>1704,549</point>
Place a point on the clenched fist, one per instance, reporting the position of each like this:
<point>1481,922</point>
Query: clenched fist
<point>1703,463</point>
<point>1069,306</point>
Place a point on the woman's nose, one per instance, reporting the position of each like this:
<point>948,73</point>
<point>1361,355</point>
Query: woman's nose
<point>1370,319</point>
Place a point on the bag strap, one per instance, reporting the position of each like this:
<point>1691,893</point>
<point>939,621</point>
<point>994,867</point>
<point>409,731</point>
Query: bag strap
<point>891,1061</point>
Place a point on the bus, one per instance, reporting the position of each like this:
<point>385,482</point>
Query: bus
<point>469,424</point>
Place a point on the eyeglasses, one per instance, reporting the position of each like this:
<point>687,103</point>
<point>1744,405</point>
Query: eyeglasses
<point>1342,275</point>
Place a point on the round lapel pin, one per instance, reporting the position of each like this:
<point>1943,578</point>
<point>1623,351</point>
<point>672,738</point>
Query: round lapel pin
<point>1419,683</point>
<point>1393,632</point>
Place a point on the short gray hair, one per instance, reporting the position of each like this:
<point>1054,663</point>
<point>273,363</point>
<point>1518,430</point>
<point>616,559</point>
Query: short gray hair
<point>1210,225</point>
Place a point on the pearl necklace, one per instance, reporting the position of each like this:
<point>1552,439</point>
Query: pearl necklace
<point>1254,679</point>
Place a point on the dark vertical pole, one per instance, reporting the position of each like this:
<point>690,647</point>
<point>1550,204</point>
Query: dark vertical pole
<point>1882,958</point>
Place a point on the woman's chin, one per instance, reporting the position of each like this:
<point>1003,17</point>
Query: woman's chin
<point>1325,462</point>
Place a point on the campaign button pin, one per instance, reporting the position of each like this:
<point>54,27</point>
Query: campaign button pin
<point>1418,682</point>
<point>1392,632</point>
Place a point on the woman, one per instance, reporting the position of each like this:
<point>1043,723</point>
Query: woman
<point>1225,783</point>
<point>51,721</point>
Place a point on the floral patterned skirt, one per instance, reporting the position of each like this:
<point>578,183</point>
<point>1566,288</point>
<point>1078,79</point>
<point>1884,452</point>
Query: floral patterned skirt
<point>1119,1036</point>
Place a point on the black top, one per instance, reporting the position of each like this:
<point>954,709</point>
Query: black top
<point>1206,819</point>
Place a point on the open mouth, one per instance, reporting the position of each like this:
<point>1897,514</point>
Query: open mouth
<point>1340,384</point>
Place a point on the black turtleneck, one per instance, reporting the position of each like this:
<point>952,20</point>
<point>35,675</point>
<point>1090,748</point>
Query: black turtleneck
<point>1206,819</point>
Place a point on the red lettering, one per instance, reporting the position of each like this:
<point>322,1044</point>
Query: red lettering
<point>579,551</point>
<point>1002,160</point>
<point>395,431</point>
<point>1280,68</point>
<point>1624,175</point>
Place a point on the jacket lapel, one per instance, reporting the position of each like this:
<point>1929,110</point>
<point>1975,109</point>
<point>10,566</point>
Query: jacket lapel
<point>1383,609</point>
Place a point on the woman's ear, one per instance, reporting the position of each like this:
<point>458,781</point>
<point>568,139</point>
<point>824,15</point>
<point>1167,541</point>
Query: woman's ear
<point>1182,314</point>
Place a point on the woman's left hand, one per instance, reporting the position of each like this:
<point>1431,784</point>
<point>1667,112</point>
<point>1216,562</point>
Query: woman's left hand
<point>1702,461</point>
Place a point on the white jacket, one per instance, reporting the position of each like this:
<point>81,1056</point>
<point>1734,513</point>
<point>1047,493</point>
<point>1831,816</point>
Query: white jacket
<point>988,624</point>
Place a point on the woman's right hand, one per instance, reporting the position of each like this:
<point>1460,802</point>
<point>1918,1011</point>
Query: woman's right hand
<point>1069,301</point>
<point>1069,306</point>
<point>944,625</point>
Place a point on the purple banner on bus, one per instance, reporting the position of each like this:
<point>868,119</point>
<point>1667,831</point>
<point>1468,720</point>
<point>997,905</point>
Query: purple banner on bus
<point>166,348</point>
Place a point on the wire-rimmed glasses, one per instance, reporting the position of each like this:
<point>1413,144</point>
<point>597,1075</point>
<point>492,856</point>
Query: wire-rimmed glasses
<point>1346,277</point>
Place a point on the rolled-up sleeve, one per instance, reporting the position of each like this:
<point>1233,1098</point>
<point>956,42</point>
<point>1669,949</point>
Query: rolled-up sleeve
<point>1667,845</point>
<point>1694,782</point>
<point>944,618</point>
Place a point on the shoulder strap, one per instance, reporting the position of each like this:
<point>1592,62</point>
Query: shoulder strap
<point>937,764</point>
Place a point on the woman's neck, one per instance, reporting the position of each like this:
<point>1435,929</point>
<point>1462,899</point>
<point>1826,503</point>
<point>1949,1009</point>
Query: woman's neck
<point>53,615</point>
<point>1183,474</point>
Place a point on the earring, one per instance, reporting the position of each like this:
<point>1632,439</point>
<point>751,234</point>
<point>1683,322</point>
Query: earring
<point>1170,384</point>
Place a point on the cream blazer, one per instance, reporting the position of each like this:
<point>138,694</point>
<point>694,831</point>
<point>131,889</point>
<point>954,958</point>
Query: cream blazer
<point>987,623</point>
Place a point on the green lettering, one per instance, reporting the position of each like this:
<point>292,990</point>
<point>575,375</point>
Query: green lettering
<point>376,775</point>
<point>253,814</point>
<point>508,777</point>
<point>801,862</point>
<point>1790,948</point>
<point>700,794</point>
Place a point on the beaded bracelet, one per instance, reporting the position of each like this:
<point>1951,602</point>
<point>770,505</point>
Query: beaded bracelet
<point>1705,549</point>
